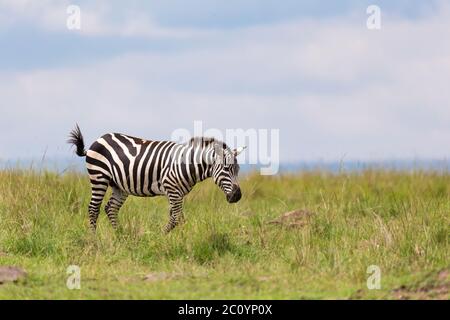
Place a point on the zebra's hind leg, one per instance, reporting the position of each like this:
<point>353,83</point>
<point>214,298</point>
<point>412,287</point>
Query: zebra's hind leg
<point>175,212</point>
<point>114,204</point>
<point>98,193</point>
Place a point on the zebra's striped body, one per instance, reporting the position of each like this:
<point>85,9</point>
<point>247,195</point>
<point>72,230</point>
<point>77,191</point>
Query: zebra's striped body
<point>133,166</point>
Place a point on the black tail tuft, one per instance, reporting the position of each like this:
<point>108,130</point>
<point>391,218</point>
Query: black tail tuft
<point>76,138</point>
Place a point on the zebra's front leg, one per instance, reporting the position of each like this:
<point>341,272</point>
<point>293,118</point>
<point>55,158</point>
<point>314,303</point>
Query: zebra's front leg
<point>175,213</point>
<point>113,206</point>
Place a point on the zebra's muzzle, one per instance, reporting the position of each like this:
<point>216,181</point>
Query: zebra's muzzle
<point>235,195</point>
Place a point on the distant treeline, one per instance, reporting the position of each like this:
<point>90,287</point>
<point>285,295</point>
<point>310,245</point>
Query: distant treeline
<point>77,165</point>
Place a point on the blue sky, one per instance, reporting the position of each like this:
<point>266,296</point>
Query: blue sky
<point>311,69</point>
<point>62,47</point>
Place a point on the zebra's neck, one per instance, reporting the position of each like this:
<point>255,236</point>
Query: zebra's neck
<point>205,162</point>
<point>197,161</point>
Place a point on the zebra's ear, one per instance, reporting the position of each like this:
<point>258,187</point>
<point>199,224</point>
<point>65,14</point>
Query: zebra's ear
<point>239,150</point>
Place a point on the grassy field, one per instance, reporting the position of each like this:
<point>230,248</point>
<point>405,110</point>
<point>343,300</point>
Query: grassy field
<point>397,221</point>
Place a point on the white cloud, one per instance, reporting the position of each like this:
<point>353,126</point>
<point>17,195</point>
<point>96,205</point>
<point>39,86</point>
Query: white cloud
<point>47,14</point>
<point>332,87</point>
<point>97,19</point>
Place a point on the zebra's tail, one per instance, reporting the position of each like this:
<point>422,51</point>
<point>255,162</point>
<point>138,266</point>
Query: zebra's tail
<point>76,139</point>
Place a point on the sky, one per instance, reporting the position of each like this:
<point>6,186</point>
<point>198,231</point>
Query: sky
<point>311,69</point>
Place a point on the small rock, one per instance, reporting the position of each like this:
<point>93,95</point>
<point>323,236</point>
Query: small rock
<point>11,274</point>
<point>247,213</point>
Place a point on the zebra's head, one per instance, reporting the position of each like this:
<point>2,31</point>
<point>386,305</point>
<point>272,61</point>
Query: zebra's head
<point>225,172</point>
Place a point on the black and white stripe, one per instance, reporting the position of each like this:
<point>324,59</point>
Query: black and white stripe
<point>138,167</point>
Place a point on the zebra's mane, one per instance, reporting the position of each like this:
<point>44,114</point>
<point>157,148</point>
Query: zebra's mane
<point>205,141</point>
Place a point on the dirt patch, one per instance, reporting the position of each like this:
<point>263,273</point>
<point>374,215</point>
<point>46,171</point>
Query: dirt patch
<point>11,274</point>
<point>264,278</point>
<point>293,219</point>
<point>444,275</point>
<point>160,276</point>
<point>439,292</point>
<point>436,289</point>
<point>359,294</point>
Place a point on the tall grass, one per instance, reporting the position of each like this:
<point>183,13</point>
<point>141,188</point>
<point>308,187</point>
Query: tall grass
<point>398,221</point>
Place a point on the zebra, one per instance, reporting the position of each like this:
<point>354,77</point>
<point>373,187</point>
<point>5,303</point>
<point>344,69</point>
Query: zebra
<point>146,168</point>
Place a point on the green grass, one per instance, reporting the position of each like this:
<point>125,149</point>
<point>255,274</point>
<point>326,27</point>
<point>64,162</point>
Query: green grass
<point>398,221</point>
